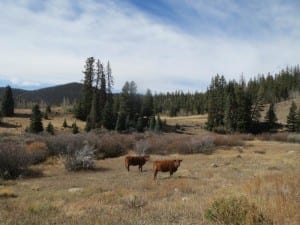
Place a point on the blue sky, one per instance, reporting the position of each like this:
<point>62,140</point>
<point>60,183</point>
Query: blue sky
<point>164,45</point>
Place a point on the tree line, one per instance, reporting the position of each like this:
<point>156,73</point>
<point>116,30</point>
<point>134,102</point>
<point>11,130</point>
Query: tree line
<point>231,106</point>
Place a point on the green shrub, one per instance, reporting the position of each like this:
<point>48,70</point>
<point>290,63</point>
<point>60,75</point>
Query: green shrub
<point>235,211</point>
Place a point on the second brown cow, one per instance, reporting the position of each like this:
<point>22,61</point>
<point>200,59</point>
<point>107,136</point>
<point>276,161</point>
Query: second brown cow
<point>170,166</point>
<point>136,161</point>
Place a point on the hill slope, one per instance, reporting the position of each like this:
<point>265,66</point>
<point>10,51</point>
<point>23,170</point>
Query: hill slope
<point>50,95</point>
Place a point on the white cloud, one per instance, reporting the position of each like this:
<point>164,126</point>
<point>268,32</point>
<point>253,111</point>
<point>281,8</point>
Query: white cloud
<point>50,45</point>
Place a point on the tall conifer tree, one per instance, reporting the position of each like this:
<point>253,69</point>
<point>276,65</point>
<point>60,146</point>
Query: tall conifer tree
<point>7,105</point>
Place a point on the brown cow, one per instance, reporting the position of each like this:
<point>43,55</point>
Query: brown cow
<point>166,166</point>
<point>136,161</point>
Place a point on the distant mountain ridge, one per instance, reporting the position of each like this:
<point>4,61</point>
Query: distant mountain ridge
<point>51,95</point>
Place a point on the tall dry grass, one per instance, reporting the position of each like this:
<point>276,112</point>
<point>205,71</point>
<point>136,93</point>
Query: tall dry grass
<point>278,195</point>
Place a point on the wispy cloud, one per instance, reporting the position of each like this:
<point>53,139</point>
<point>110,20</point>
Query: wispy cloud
<point>48,41</point>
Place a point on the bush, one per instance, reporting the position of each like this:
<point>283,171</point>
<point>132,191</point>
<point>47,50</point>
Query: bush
<point>81,159</point>
<point>203,144</point>
<point>295,138</point>
<point>63,144</point>
<point>235,211</point>
<point>114,145</point>
<point>37,151</point>
<point>13,160</point>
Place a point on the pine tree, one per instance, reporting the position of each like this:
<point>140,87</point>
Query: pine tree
<point>121,120</point>
<point>158,124</point>
<point>258,105</point>
<point>147,104</point>
<point>152,123</point>
<point>65,123</point>
<point>102,90</point>
<point>7,105</point>
<point>298,120</point>
<point>48,109</point>
<point>271,117</point>
<point>83,108</point>
<point>291,118</point>
<point>230,120</point>
<point>75,128</point>
<point>36,125</point>
<point>108,116</point>
<point>140,124</point>
<point>50,128</point>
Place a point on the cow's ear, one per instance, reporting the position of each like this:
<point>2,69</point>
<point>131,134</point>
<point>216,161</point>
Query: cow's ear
<point>180,160</point>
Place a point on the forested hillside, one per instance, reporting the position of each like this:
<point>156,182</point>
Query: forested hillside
<point>52,95</point>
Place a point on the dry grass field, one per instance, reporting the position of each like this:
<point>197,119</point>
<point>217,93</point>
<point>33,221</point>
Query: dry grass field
<point>266,173</point>
<point>18,123</point>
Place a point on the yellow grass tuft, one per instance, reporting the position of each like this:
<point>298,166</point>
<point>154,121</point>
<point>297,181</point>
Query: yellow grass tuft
<point>7,193</point>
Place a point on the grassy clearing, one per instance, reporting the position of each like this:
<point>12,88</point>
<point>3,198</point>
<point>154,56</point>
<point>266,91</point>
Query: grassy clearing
<point>17,124</point>
<point>111,195</point>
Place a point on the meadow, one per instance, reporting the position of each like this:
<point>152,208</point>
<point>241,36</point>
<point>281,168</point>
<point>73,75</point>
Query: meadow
<point>261,172</point>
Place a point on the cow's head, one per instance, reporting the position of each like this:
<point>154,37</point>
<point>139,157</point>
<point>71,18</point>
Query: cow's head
<point>177,162</point>
<point>146,157</point>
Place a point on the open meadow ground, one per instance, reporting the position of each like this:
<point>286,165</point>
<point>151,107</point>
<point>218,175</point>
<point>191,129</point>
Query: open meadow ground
<point>266,173</point>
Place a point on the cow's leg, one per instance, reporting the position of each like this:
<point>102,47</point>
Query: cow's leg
<point>128,167</point>
<point>141,168</point>
<point>155,173</point>
<point>171,173</point>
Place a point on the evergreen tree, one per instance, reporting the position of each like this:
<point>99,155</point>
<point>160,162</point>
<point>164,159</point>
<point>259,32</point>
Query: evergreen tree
<point>291,118</point>
<point>75,128</point>
<point>298,120</point>
<point>147,104</point>
<point>158,124</point>
<point>140,124</point>
<point>48,109</point>
<point>36,125</point>
<point>108,115</point>
<point>258,105</point>
<point>271,117</point>
<point>216,102</point>
<point>7,105</point>
<point>94,117</point>
<point>83,108</point>
<point>65,123</point>
<point>50,128</point>
<point>121,120</point>
<point>103,89</point>
<point>46,116</point>
<point>230,120</point>
<point>152,123</point>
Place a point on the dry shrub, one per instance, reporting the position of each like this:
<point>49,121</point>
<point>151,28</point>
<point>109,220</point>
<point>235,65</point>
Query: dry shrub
<point>81,159</point>
<point>228,140</point>
<point>295,138</point>
<point>282,137</point>
<point>134,201</point>
<point>37,150</point>
<point>63,144</point>
<point>204,144</point>
<point>13,160</point>
<point>113,145</point>
<point>236,211</point>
